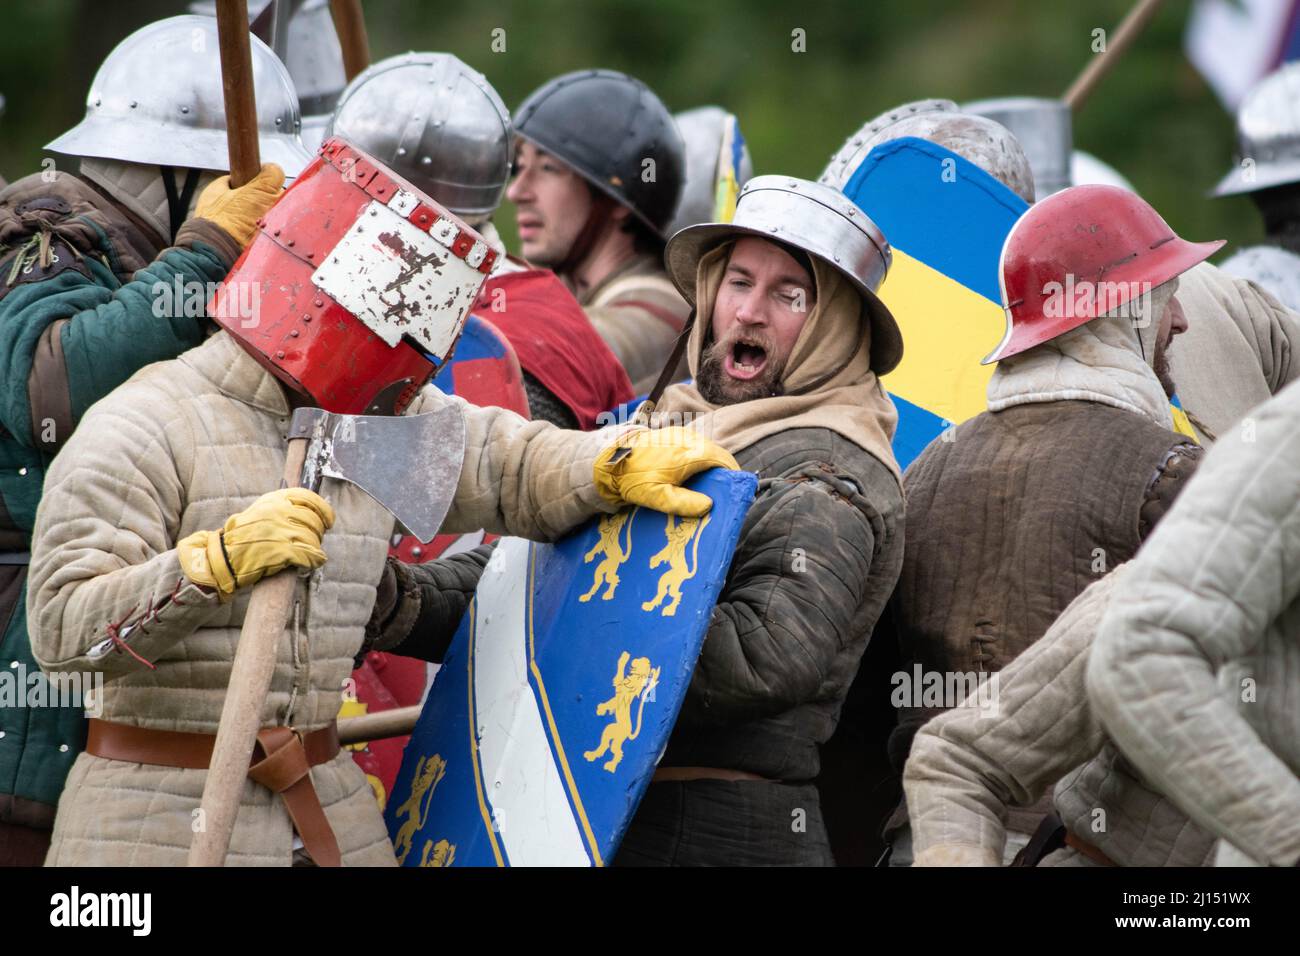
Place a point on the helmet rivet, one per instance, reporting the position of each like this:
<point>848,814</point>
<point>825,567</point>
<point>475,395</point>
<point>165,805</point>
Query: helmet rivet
<point>290,243</point>
<point>293,333</point>
<point>134,104</point>
<point>319,303</point>
<point>185,109</point>
<point>306,318</point>
<point>279,120</point>
<point>771,228</point>
<point>425,160</point>
<point>401,151</point>
<point>98,101</point>
<point>276,233</point>
<point>311,255</point>
<point>279,355</point>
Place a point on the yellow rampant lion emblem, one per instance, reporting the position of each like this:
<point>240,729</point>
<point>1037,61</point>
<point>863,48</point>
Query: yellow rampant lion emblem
<point>679,535</point>
<point>441,853</point>
<point>640,682</point>
<point>614,550</point>
<point>428,771</point>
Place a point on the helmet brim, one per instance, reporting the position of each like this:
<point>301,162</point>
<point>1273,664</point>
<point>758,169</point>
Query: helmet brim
<point>1262,176</point>
<point>101,137</point>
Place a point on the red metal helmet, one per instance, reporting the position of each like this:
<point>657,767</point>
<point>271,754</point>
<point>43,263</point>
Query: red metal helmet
<point>1080,253</point>
<point>359,284</point>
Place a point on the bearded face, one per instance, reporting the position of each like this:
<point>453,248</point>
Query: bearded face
<point>762,304</point>
<point>1172,322</point>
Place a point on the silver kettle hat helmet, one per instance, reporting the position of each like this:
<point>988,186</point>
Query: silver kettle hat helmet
<point>157,99</point>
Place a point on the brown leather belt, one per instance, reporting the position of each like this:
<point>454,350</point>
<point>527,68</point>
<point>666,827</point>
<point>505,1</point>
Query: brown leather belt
<point>282,762</point>
<point>1088,850</point>
<point>681,774</point>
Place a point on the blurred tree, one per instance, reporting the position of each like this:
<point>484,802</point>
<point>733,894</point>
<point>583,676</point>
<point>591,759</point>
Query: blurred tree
<point>1153,118</point>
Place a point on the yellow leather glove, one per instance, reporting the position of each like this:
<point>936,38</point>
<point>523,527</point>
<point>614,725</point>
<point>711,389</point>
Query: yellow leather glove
<point>278,529</point>
<point>237,210</point>
<point>657,463</point>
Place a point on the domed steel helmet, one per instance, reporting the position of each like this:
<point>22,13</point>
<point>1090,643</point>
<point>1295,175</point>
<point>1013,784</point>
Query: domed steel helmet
<point>616,134</point>
<point>716,158</point>
<point>872,133</point>
<point>435,121</point>
<point>157,99</point>
<point>816,219</point>
<point>986,143</point>
<point>1268,135</point>
<point>1103,241</point>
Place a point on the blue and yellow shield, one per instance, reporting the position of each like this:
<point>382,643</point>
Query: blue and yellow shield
<point>946,220</point>
<point>559,691</point>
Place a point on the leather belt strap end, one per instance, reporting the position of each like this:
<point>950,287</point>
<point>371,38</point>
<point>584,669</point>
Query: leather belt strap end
<point>282,762</point>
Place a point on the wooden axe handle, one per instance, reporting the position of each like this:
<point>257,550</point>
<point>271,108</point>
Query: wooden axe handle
<point>397,722</point>
<point>237,83</point>
<point>350,25</point>
<point>241,715</point>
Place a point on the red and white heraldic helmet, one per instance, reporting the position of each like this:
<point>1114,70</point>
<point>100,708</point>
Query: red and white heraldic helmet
<point>360,284</point>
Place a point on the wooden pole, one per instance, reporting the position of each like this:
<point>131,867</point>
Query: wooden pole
<point>250,680</point>
<point>1101,64</point>
<point>379,726</point>
<point>350,25</point>
<point>237,84</point>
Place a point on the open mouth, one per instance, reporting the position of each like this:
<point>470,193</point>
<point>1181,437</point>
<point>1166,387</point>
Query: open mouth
<point>745,360</point>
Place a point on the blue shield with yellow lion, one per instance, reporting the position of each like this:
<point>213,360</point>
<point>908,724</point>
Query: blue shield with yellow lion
<point>561,687</point>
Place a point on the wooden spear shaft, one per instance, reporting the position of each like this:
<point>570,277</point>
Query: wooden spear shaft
<point>397,722</point>
<point>237,85</point>
<point>350,25</point>
<point>1101,64</point>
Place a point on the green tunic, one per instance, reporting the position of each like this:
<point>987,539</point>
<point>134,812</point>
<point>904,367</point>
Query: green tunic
<point>87,298</point>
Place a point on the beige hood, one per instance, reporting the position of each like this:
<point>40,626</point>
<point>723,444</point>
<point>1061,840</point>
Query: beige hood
<point>828,379</point>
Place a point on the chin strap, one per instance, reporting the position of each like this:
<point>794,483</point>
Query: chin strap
<point>585,240</point>
<point>178,205</point>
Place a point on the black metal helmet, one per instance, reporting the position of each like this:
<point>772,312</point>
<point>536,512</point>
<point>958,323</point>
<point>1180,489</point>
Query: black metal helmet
<point>616,134</point>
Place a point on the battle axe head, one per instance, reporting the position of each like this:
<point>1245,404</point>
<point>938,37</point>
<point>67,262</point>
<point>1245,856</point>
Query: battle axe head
<point>410,464</point>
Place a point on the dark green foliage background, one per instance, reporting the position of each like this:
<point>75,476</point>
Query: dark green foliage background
<point>1153,118</point>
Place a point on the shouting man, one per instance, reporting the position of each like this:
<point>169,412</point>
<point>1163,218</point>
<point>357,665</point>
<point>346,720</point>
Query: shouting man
<point>785,354</point>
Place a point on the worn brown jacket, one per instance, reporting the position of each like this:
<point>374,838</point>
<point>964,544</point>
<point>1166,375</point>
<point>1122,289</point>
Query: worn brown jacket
<point>1010,519</point>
